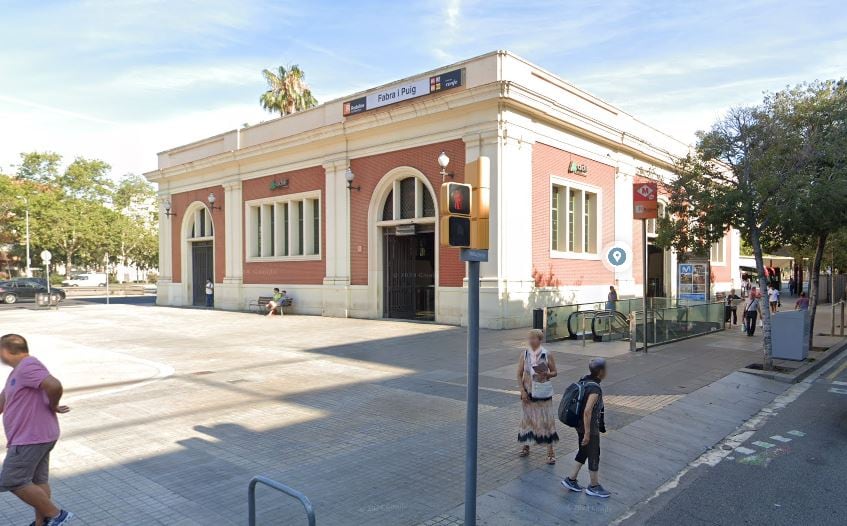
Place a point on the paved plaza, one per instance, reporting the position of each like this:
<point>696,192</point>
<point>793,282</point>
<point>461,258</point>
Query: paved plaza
<point>174,410</point>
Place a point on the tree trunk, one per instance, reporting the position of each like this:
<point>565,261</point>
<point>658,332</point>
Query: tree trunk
<point>767,347</point>
<point>814,283</point>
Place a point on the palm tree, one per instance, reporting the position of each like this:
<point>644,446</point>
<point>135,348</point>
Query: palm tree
<point>287,91</point>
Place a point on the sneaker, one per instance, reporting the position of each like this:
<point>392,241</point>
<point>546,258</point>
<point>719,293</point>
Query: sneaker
<point>571,484</point>
<point>63,518</point>
<point>597,491</point>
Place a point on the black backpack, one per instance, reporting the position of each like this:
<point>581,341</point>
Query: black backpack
<point>570,407</point>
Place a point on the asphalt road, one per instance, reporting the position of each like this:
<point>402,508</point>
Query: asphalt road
<point>79,301</point>
<point>791,471</point>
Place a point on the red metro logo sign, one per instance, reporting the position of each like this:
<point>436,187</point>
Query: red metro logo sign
<point>645,204</point>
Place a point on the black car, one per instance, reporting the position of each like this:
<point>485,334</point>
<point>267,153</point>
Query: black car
<point>25,289</point>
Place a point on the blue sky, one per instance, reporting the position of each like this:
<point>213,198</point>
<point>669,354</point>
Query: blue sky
<point>123,79</point>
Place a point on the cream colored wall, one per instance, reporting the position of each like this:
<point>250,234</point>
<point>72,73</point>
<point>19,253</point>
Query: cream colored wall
<point>505,107</point>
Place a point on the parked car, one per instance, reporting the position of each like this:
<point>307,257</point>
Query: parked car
<point>87,279</point>
<point>25,289</point>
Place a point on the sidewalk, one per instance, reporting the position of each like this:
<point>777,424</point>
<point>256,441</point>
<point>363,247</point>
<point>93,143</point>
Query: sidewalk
<point>365,417</point>
<point>641,456</point>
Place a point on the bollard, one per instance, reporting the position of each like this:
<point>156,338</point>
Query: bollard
<point>832,328</point>
<point>632,334</point>
<point>583,330</point>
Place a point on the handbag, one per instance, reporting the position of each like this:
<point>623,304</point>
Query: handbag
<point>542,390</point>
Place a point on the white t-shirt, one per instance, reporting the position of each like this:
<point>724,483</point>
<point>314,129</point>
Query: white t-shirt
<point>773,296</point>
<point>210,288</point>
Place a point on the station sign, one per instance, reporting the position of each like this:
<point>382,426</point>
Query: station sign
<point>645,204</point>
<point>405,90</point>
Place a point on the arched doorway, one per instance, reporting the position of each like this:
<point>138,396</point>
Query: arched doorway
<point>405,232</point>
<point>198,252</point>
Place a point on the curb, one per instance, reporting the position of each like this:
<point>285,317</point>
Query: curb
<point>802,372</point>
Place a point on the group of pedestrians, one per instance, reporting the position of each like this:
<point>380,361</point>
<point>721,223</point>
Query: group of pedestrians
<point>30,405</point>
<point>752,310</point>
<point>536,369</point>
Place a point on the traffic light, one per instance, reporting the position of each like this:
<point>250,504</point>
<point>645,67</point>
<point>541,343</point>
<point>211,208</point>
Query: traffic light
<point>458,198</point>
<point>456,231</point>
<point>465,208</point>
<point>455,215</point>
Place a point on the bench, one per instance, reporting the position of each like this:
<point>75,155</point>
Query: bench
<point>261,305</point>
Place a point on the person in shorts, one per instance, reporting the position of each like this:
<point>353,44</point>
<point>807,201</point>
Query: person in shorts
<point>30,402</point>
<point>588,432</point>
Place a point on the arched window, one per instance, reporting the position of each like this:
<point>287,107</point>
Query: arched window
<point>409,200</point>
<point>201,225</point>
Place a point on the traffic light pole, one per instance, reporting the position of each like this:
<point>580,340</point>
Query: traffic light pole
<point>644,276</point>
<point>473,258</point>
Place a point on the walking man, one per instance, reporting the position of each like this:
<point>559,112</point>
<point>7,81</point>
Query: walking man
<point>210,292</point>
<point>30,402</point>
<point>752,310</point>
<point>588,432</point>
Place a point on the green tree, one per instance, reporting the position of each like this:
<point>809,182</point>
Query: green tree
<point>728,182</point>
<point>813,120</point>
<point>42,167</point>
<point>135,226</point>
<point>287,91</point>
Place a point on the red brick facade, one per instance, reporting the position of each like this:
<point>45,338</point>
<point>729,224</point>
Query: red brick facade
<point>180,203</point>
<point>548,162</point>
<point>286,272</point>
<point>369,171</point>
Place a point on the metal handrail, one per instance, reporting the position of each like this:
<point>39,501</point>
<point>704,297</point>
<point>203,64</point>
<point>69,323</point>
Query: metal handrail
<point>251,498</point>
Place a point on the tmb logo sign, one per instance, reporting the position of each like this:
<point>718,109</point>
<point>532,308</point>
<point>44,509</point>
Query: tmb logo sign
<point>644,203</point>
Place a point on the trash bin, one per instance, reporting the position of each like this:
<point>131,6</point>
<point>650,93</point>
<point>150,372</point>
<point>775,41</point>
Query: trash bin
<point>538,319</point>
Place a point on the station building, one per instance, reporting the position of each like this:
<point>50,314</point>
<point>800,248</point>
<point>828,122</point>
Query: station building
<point>272,205</point>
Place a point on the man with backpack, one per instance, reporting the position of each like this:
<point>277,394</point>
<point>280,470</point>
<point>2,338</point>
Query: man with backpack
<point>582,408</point>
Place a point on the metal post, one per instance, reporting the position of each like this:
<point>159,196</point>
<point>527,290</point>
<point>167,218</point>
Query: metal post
<point>28,265</point>
<point>583,330</point>
<point>842,317</point>
<point>107,280</point>
<point>633,329</point>
<point>644,292</point>
<point>473,394</point>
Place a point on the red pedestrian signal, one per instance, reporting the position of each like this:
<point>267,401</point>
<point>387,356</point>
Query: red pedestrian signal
<point>458,198</point>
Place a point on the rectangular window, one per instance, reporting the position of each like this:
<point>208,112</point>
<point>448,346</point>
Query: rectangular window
<point>716,254</point>
<point>571,218</point>
<point>574,220</point>
<point>554,225</point>
<point>316,227</point>
<point>300,228</point>
<point>288,227</point>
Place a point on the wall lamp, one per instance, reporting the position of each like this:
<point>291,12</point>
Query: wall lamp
<point>443,161</point>
<point>212,200</point>
<point>349,176</point>
<point>167,206</point>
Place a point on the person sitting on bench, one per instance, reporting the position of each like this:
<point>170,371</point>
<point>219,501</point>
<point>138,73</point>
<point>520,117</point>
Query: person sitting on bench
<point>276,301</point>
